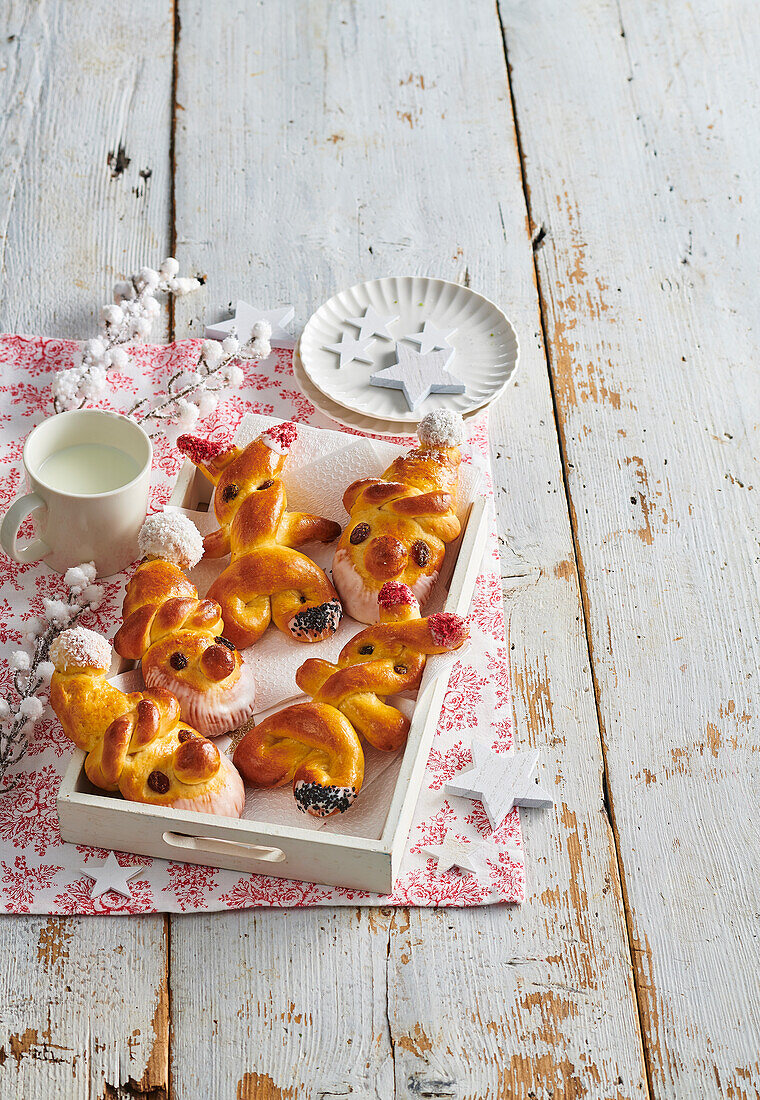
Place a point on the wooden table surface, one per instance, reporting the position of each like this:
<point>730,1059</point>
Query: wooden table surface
<point>593,167</point>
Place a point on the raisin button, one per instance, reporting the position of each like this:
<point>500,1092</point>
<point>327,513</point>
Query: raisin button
<point>420,552</point>
<point>365,650</point>
<point>178,661</point>
<point>359,534</point>
<point>230,492</point>
<point>158,782</point>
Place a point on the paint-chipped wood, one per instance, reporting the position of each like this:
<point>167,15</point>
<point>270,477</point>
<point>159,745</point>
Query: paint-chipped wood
<point>85,1001</point>
<point>310,133</point>
<point>634,120</point>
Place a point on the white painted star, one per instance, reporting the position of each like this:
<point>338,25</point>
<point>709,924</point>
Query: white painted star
<point>246,317</point>
<point>372,324</point>
<point>349,349</point>
<point>432,338</point>
<point>470,856</point>
<point>417,376</point>
<point>500,781</point>
<point>111,876</point>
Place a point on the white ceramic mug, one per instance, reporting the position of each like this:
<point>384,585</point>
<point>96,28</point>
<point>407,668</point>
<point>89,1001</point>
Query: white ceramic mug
<point>73,523</point>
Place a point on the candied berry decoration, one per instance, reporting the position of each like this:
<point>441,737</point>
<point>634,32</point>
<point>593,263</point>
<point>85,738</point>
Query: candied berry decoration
<point>365,650</point>
<point>200,451</point>
<point>158,782</point>
<point>266,484</point>
<point>359,534</point>
<point>230,492</point>
<point>420,552</point>
<point>225,641</point>
<point>178,661</point>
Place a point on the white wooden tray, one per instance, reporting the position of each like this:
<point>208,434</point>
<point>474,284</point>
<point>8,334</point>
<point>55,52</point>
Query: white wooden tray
<point>90,816</point>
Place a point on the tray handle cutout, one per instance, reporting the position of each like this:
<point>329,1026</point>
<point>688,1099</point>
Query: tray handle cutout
<point>224,847</point>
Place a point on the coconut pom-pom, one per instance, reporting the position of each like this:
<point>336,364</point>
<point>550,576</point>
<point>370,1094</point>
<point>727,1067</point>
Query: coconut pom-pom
<point>80,648</point>
<point>441,428</point>
<point>171,536</point>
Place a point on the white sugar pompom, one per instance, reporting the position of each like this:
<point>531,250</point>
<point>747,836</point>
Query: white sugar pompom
<point>212,352</point>
<point>151,306</point>
<point>148,277</point>
<point>171,536</point>
<point>57,612</point>
<point>184,286</point>
<point>261,349</point>
<point>76,578</point>
<point>231,345</point>
<point>441,428</point>
<point>261,330</point>
<point>169,267</point>
<point>236,376</point>
<point>30,708</point>
<point>19,661</point>
<point>94,349</point>
<point>188,414</point>
<point>113,314</point>
<point>119,358</point>
<point>80,648</point>
<point>92,596</point>
<point>45,669</point>
<point>207,402</point>
<point>89,570</point>
<point>123,291</point>
<point>5,710</point>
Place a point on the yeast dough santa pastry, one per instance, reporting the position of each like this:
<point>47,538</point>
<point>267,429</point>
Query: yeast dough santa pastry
<point>399,523</point>
<point>267,578</point>
<point>316,746</point>
<point>136,743</point>
<point>180,638</point>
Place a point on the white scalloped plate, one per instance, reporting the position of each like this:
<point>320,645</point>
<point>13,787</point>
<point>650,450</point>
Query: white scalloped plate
<point>485,344</point>
<point>351,419</point>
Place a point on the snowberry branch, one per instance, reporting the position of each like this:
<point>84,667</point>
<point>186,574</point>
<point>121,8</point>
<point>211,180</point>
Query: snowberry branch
<point>21,707</point>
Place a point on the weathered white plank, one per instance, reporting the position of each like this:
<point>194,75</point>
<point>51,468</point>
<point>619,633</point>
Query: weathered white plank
<point>84,157</point>
<point>85,1004</point>
<point>635,122</point>
<point>313,149</point>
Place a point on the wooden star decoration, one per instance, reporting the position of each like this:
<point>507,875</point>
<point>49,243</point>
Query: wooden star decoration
<point>246,316</point>
<point>348,349</point>
<point>417,376</point>
<point>432,338</point>
<point>500,781</point>
<point>469,856</point>
<point>372,323</point>
<point>111,876</point>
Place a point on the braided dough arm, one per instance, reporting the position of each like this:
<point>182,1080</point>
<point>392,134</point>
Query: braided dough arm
<point>311,744</point>
<point>297,528</point>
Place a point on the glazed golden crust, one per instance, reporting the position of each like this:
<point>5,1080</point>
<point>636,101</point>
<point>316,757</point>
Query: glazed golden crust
<point>180,638</point>
<point>138,745</point>
<point>400,523</point>
<point>267,577</point>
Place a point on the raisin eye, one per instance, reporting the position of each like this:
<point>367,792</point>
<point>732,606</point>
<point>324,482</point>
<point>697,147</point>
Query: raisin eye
<point>225,641</point>
<point>265,485</point>
<point>366,649</point>
<point>230,492</point>
<point>420,552</point>
<point>178,661</point>
<point>400,669</point>
<point>359,534</point>
<point>183,735</point>
<point>158,782</point>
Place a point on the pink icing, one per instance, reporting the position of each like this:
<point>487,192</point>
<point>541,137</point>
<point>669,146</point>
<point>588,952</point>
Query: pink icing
<point>448,630</point>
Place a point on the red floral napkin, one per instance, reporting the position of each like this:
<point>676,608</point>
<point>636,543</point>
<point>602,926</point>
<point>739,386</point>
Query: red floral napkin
<point>41,874</point>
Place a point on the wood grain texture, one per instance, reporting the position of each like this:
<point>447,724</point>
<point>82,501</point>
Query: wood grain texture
<point>84,157</point>
<point>85,1005</point>
<point>311,152</point>
<point>643,178</point>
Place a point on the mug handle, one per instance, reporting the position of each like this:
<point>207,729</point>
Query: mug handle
<point>12,520</point>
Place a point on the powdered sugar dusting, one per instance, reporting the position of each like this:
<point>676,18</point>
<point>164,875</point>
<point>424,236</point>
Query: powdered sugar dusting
<point>171,536</point>
<point>280,437</point>
<point>448,630</point>
<point>441,428</point>
<point>80,648</point>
